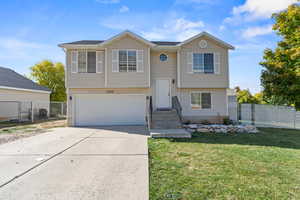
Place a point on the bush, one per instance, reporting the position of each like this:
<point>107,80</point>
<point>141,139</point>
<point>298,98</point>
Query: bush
<point>227,121</point>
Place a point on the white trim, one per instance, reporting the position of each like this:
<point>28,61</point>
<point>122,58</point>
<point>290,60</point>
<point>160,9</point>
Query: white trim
<point>178,68</point>
<point>124,33</point>
<point>149,71</point>
<point>23,89</point>
<point>170,91</point>
<point>105,68</point>
<point>200,107</point>
<point>165,55</point>
<point>209,36</point>
<point>136,61</point>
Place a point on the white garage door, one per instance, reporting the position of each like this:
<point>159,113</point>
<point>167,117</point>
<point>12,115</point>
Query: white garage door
<point>109,109</point>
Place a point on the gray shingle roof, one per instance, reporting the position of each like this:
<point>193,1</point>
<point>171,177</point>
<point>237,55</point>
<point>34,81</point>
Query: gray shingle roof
<point>10,78</point>
<point>165,43</point>
<point>94,42</point>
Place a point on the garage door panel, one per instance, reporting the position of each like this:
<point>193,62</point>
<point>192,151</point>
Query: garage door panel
<point>97,109</point>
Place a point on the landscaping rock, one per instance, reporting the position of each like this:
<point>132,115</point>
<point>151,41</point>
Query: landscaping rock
<point>216,128</point>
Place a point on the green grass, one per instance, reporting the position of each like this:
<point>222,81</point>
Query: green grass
<point>215,166</point>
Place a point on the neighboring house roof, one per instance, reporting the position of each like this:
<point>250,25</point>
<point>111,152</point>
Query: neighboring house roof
<point>10,79</point>
<point>151,43</point>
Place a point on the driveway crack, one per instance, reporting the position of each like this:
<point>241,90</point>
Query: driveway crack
<point>44,161</point>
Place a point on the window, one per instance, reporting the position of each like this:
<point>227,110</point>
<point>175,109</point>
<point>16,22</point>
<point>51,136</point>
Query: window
<point>81,61</point>
<point>87,62</point>
<point>201,100</point>
<point>127,61</point>
<point>91,67</point>
<point>163,57</point>
<point>203,62</point>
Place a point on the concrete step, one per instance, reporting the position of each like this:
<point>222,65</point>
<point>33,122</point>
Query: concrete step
<point>163,118</point>
<point>169,133</point>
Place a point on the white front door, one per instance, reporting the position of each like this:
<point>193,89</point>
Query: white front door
<point>163,96</point>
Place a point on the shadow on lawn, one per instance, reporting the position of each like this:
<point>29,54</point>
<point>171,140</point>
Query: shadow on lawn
<point>284,138</point>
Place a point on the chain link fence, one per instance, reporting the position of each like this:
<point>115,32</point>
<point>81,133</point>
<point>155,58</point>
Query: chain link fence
<point>263,115</point>
<point>19,111</point>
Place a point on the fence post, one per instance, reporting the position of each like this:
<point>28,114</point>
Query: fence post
<point>239,110</point>
<point>32,114</point>
<point>295,115</point>
<point>19,112</point>
<point>253,114</point>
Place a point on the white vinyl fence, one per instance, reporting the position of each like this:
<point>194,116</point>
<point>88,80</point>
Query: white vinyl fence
<point>269,116</point>
<point>31,111</point>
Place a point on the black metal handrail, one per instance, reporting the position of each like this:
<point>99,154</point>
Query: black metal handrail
<point>149,111</point>
<point>177,106</point>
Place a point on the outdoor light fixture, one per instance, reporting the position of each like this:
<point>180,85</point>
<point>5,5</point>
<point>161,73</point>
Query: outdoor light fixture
<point>70,98</point>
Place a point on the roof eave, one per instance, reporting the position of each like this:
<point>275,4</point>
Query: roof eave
<point>209,36</point>
<point>127,32</point>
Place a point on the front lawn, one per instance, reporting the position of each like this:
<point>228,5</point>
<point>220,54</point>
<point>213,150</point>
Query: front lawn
<point>216,166</point>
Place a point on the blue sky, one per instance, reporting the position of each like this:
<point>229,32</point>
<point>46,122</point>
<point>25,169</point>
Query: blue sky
<point>31,29</point>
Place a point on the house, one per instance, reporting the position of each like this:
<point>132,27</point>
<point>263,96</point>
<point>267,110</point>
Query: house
<point>18,92</point>
<point>125,79</point>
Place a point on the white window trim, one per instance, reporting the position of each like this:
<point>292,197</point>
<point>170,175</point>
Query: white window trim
<point>86,62</point>
<point>136,61</point>
<point>202,71</point>
<point>165,55</point>
<point>199,107</point>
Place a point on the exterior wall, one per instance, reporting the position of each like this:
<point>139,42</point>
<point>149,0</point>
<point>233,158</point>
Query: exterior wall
<point>83,80</point>
<point>114,79</point>
<point>10,109</point>
<point>163,70</point>
<point>194,80</point>
<point>219,105</point>
<point>128,79</point>
<point>74,91</point>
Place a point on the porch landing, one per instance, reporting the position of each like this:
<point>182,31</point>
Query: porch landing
<point>170,133</point>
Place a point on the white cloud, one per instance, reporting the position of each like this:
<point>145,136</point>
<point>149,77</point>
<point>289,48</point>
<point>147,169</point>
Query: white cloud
<point>256,31</point>
<point>257,9</point>
<point>159,26</point>
<point>108,1</point>
<point>124,9</point>
<point>178,28</point>
<point>21,52</point>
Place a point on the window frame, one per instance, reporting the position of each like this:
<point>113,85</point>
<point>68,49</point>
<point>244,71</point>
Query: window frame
<point>86,62</point>
<point>199,107</point>
<point>167,57</point>
<point>127,60</point>
<point>203,63</point>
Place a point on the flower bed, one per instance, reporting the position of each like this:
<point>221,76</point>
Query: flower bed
<point>216,128</point>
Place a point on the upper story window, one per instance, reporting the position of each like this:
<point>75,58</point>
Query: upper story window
<point>86,61</point>
<point>201,100</point>
<point>127,61</point>
<point>203,62</point>
<point>163,57</point>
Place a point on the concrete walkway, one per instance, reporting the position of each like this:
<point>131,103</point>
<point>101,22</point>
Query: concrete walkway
<point>76,163</point>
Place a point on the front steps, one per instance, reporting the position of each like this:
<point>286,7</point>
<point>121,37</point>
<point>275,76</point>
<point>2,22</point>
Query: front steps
<point>166,124</point>
<point>165,120</point>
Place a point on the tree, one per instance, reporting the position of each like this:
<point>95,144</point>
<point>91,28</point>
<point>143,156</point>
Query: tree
<point>280,77</point>
<point>51,75</point>
<point>244,96</point>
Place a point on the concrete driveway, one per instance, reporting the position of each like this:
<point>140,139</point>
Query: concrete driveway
<point>76,163</point>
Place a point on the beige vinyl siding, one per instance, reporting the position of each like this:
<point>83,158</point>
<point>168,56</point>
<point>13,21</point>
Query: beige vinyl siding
<point>84,80</point>
<point>194,80</point>
<point>74,91</point>
<point>218,103</point>
<point>163,70</point>
<point>127,79</point>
